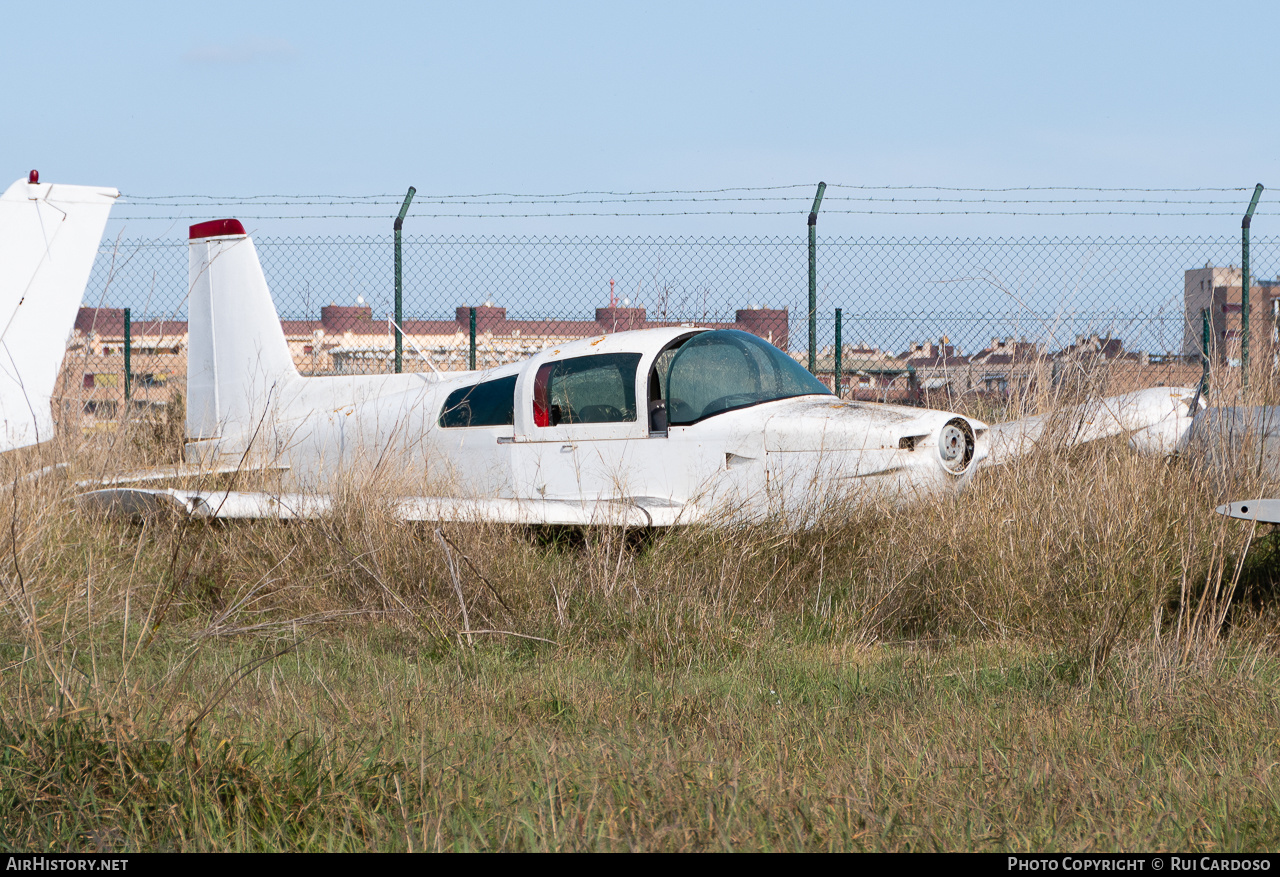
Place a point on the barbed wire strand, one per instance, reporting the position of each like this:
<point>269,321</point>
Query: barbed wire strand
<point>868,200</point>
<point>565,215</point>
<point>808,186</point>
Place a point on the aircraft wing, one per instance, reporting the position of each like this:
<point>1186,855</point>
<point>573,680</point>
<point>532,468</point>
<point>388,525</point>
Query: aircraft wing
<point>1157,419</point>
<point>162,473</point>
<point>245,505</point>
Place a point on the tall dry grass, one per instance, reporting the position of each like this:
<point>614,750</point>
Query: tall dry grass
<point>353,682</point>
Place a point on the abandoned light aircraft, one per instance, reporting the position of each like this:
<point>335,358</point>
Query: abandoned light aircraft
<point>645,428</point>
<point>49,236</point>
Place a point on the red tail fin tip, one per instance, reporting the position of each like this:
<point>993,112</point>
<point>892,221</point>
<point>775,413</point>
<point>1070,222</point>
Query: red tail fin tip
<point>214,228</point>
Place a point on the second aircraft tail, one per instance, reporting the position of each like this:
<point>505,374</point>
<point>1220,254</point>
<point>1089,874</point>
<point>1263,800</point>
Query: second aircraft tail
<point>238,358</point>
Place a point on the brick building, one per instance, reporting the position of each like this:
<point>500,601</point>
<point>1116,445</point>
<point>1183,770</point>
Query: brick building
<point>1220,292</point>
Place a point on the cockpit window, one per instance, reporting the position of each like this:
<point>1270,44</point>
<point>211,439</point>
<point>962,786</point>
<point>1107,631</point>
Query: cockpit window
<point>727,369</point>
<point>490,403</point>
<point>586,389</point>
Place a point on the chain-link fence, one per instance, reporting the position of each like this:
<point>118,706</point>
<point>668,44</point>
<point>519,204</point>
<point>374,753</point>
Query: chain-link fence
<point>916,316</point>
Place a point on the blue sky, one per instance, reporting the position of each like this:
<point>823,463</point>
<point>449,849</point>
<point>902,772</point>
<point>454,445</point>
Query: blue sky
<point>244,99</point>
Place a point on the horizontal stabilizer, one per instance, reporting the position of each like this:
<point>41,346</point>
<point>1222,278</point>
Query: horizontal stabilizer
<point>228,505</point>
<point>1264,511</point>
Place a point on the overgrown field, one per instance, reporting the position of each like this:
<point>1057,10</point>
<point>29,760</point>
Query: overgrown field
<point>1073,654</point>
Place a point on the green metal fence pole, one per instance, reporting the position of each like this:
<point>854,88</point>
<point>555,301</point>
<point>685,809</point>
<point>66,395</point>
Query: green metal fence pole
<point>404,208</point>
<point>813,279</point>
<point>471,360</point>
<point>1204,359</point>
<point>1244,285</point>
<point>839,364</point>
<point>128,355</point>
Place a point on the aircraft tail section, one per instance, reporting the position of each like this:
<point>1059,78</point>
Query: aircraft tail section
<point>238,359</point>
<point>49,235</point>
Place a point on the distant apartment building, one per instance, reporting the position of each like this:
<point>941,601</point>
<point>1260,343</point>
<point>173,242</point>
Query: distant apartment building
<point>1218,293</point>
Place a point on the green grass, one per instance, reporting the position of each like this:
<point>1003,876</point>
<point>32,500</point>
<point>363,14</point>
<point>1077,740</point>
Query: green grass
<point>348,743</point>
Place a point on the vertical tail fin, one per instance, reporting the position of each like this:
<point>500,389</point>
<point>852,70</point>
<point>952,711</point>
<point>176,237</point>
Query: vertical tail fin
<point>49,236</point>
<point>238,358</point>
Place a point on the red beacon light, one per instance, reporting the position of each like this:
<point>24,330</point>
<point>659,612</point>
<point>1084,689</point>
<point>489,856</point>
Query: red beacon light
<point>33,177</point>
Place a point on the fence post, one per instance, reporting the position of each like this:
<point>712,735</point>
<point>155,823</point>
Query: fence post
<point>404,208</point>
<point>1204,359</point>
<point>128,357</point>
<point>1244,286</point>
<point>839,364</point>
<point>471,360</point>
<point>813,279</point>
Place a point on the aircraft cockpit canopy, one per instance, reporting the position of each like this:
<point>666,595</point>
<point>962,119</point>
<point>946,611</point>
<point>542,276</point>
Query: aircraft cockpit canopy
<point>726,369</point>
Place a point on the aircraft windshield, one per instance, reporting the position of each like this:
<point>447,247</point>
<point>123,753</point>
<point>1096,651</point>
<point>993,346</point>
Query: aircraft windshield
<point>727,369</point>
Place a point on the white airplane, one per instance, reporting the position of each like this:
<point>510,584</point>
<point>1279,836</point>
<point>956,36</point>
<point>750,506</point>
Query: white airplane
<point>644,428</point>
<point>49,235</point>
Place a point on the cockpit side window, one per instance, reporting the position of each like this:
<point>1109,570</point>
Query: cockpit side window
<point>658,386</point>
<point>726,369</point>
<point>586,389</point>
<point>488,403</point>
